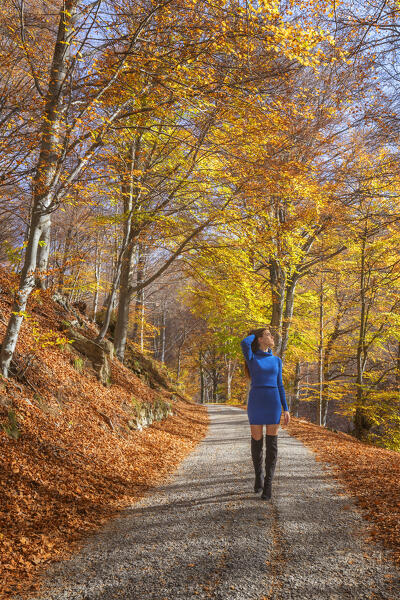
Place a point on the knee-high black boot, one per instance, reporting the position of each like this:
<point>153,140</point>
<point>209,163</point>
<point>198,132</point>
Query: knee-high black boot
<point>271,453</point>
<point>256,455</point>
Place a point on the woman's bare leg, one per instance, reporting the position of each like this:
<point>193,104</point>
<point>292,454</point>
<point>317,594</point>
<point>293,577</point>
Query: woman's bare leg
<point>272,429</point>
<point>257,431</point>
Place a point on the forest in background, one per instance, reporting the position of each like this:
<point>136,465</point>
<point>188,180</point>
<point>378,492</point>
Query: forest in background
<point>183,171</point>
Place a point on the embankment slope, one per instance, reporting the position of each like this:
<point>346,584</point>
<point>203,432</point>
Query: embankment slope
<point>69,457</point>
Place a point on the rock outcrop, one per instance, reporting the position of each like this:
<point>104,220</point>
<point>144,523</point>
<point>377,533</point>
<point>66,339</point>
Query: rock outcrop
<point>143,414</point>
<point>99,354</point>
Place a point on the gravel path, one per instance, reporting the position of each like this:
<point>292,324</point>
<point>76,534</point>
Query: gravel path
<point>205,534</point>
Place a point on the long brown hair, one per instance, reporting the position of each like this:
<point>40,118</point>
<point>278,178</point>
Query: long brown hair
<point>255,345</point>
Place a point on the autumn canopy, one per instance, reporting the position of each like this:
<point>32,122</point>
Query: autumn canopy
<point>183,171</point>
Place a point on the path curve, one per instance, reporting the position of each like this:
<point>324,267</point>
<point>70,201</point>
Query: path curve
<point>205,534</point>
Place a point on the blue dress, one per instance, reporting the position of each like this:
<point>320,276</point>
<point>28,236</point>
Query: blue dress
<point>267,394</point>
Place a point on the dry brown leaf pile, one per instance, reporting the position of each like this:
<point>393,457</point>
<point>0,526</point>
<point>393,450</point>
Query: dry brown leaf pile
<point>370,474</point>
<point>70,471</point>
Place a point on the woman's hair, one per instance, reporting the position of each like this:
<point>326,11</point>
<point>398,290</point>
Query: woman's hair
<point>255,345</point>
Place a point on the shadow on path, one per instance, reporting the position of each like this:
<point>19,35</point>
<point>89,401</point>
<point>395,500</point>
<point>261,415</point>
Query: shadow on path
<point>205,534</point>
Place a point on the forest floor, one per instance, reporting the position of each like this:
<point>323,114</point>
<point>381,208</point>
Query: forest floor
<point>76,462</point>
<point>370,474</point>
<point>204,534</point>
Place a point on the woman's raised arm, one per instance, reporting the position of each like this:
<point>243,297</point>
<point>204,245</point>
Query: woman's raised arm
<point>246,346</point>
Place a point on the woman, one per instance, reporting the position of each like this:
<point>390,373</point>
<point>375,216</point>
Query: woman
<point>264,407</point>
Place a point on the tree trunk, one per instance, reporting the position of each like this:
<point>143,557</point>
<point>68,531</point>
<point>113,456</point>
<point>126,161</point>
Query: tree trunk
<point>42,259</point>
<point>163,321</point>
<point>361,422</point>
<point>277,279</point>
<point>229,376</point>
<point>283,288</point>
<point>123,261</point>
<point>398,367</point>
<point>178,364</point>
<point>287,316</point>
<point>131,194</point>
<point>202,381</point>
<point>142,322</point>
<point>206,389</point>
<point>296,390</point>
<point>230,371</point>
<point>321,353</point>
<point>140,274</point>
<point>43,186</point>
<point>73,289</point>
<point>326,374</point>
<point>133,235</point>
<point>67,246</point>
<point>124,303</point>
<point>215,382</point>
<point>97,271</point>
<point>110,303</point>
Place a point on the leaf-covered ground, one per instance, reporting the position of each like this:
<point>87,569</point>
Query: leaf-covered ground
<point>76,462</point>
<point>370,474</point>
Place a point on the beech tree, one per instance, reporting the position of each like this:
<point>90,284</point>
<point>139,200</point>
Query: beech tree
<point>65,147</point>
